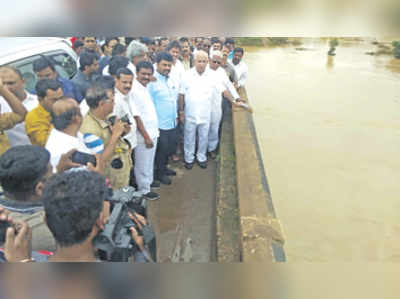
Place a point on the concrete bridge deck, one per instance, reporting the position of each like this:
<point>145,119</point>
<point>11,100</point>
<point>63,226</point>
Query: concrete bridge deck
<point>223,213</point>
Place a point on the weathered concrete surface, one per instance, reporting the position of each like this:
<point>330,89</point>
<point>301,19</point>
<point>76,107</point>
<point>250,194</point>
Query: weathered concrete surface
<point>228,224</point>
<point>261,233</point>
<point>184,215</point>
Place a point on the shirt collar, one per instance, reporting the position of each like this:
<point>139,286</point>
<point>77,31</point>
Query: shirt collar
<point>26,207</point>
<point>42,110</point>
<point>139,85</point>
<point>101,122</point>
<point>158,75</point>
<point>64,135</point>
<point>121,95</point>
<point>82,75</point>
<point>29,96</point>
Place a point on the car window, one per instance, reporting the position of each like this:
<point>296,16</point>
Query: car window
<point>64,64</point>
<point>26,69</point>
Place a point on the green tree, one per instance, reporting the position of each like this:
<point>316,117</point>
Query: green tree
<point>333,43</point>
<point>396,49</point>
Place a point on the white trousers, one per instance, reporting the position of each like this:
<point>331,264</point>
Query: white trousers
<point>144,166</point>
<point>191,129</point>
<point>213,137</point>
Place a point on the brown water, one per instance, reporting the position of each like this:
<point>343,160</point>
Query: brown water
<point>329,131</point>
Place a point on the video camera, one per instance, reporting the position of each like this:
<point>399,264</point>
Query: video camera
<point>124,119</point>
<point>115,241</point>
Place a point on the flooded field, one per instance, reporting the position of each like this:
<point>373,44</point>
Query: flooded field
<point>329,131</point>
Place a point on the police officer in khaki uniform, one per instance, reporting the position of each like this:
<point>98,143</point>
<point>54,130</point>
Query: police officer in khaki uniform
<point>106,139</point>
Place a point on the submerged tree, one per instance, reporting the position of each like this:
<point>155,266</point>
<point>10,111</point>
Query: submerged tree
<point>396,50</point>
<point>333,43</point>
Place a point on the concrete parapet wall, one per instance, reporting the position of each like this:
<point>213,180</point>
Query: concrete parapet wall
<point>261,234</point>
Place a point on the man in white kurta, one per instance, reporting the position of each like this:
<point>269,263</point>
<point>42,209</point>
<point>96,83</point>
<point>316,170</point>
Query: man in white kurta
<point>147,139</point>
<point>177,73</point>
<point>123,105</point>
<point>195,102</point>
<point>241,69</point>
<point>230,93</point>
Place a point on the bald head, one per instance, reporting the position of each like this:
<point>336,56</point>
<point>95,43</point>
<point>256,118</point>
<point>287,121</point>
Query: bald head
<point>66,114</point>
<point>64,105</point>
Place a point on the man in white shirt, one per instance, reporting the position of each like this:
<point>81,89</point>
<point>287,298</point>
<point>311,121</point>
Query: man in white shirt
<point>116,63</point>
<point>230,94</point>
<point>125,106</point>
<point>12,78</point>
<point>241,69</point>
<point>65,136</point>
<point>137,52</point>
<point>195,100</point>
<point>178,69</point>
<point>123,102</point>
<point>177,73</point>
<point>147,138</point>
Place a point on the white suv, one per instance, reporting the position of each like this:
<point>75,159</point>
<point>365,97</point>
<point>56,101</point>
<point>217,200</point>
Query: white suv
<point>21,52</point>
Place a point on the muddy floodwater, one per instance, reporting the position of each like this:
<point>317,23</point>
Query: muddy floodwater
<point>329,132</point>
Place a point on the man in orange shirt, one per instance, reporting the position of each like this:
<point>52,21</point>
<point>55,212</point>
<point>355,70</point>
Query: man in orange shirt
<point>38,121</point>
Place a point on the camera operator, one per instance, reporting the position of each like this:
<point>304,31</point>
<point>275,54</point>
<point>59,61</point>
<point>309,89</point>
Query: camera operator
<point>17,247</point>
<point>74,205</point>
<point>23,173</point>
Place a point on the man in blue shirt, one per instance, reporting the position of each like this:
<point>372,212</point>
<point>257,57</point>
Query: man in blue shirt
<point>164,92</point>
<point>230,43</point>
<point>87,72</point>
<point>44,69</point>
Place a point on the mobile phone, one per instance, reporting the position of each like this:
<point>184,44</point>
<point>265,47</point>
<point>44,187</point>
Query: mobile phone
<point>83,158</point>
<point>3,229</point>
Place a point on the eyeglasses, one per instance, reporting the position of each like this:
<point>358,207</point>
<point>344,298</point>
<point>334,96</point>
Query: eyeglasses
<point>217,62</point>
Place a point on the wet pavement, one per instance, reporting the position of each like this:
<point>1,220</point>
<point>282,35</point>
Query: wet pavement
<point>184,215</point>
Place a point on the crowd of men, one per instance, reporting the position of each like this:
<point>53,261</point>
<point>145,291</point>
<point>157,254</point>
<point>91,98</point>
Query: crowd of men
<point>135,104</point>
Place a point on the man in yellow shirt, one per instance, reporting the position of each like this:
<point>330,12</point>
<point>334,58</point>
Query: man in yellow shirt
<point>38,121</point>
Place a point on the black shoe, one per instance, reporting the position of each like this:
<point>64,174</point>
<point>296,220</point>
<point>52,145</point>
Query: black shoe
<point>203,164</point>
<point>165,180</point>
<point>152,196</point>
<point>188,165</point>
<point>155,185</point>
<point>170,172</point>
<point>212,155</point>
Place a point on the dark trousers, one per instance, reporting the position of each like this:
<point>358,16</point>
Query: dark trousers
<point>166,146</point>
